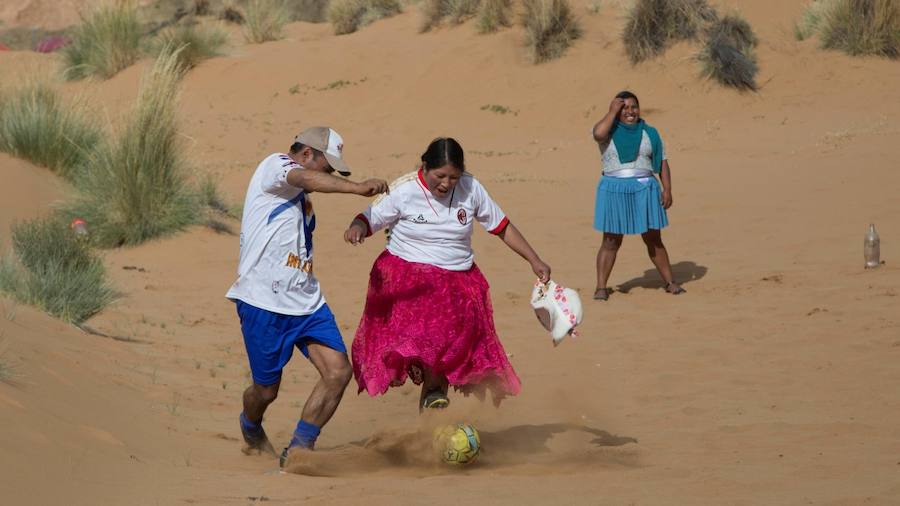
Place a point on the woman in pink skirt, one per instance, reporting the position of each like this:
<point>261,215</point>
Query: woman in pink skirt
<point>428,312</point>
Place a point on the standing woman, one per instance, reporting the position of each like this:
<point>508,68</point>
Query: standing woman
<point>629,200</point>
<point>428,312</point>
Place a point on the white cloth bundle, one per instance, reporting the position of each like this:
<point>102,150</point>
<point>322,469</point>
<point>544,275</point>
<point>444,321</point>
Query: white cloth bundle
<point>557,308</point>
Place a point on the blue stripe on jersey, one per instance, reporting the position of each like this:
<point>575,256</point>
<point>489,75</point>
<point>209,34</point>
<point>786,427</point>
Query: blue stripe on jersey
<point>284,206</point>
<point>307,227</point>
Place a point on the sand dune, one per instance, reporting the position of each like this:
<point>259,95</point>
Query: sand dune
<point>771,382</point>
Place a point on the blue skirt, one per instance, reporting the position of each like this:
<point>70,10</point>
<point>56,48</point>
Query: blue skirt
<point>629,205</point>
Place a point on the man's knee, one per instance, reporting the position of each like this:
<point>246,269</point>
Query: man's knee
<point>338,374</point>
<point>266,393</point>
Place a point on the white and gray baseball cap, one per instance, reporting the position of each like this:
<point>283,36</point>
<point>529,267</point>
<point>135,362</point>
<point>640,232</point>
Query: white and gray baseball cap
<point>328,142</point>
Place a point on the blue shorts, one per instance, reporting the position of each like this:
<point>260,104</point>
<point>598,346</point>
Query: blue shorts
<point>270,338</point>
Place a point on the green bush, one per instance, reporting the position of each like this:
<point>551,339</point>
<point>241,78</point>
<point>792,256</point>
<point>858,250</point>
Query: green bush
<point>811,20</point>
<point>264,20</point>
<point>56,271</point>
<point>652,25</point>
<point>550,28</point>
<point>311,11</point>
<point>198,43</point>
<point>862,27</point>
<point>494,14</point>
<point>348,16</point>
<point>36,125</point>
<point>135,187</point>
<point>457,11</point>
<point>107,41</point>
<point>727,55</point>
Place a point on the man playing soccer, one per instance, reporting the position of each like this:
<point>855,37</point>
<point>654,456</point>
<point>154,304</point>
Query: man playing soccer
<point>277,295</point>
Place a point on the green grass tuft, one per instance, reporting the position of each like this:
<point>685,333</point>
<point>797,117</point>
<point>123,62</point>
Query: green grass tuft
<point>107,41</point>
<point>652,25</point>
<point>348,16</point>
<point>55,270</point>
<point>550,28</point>
<point>862,27</point>
<point>457,11</point>
<point>199,42</point>
<point>811,21</point>
<point>264,20</point>
<point>36,125</point>
<point>135,185</point>
<point>493,15</point>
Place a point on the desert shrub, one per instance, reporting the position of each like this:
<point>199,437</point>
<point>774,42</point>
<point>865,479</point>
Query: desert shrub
<point>55,270</point>
<point>652,25</point>
<point>36,125</point>
<point>106,41</point>
<point>264,20</point>
<point>134,186</point>
<point>862,27</point>
<point>550,28</point>
<point>811,20</point>
<point>456,11</point>
<point>198,43</point>
<point>348,16</point>
<point>727,55</point>
<point>311,11</point>
<point>493,15</point>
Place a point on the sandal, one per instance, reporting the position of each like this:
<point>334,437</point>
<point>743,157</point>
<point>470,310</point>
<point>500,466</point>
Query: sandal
<point>602,294</point>
<point>416,374</point>
<point>436,399</point>
<point>677,290</point>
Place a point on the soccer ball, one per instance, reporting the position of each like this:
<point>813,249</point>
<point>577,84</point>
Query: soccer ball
<point>457,444</point>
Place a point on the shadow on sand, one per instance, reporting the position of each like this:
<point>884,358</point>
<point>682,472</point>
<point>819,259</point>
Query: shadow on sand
<point>683,272</point>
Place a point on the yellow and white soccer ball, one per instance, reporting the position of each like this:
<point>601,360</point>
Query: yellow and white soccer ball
<point>457,444</point>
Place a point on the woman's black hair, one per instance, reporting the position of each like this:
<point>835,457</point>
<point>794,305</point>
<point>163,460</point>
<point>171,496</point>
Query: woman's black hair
<point>443,151</point>
<point>627,94</point>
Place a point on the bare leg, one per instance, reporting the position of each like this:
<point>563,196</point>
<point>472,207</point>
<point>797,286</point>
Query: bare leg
<point>256,399</point>
<point>606,258</point>
<point>335,372</point>
<point>660,257</point>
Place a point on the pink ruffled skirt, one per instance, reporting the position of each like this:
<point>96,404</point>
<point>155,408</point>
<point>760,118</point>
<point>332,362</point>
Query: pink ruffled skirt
<point>421,315</point>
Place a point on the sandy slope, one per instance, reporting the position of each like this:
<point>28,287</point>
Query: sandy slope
<point>771,382</point>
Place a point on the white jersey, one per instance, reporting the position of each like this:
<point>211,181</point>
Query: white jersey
<point>425,229</point>
<point>276,270</point>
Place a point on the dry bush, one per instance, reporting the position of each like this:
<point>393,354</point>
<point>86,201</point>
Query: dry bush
<point>264,20</point>
<point>198,42</point>
<point>457,11</point>
<point>723,59</point>
<point>311,11</point>
<point>348,16</point>
<point>550,28</point>
<point>862,27</point>
<point>811,20</point>
<point>493,15</point>
<point>652,25</point>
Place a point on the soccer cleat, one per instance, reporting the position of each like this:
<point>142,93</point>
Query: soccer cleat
<point>282,460</point>
<point>436,399</point>
<point>256,440</point>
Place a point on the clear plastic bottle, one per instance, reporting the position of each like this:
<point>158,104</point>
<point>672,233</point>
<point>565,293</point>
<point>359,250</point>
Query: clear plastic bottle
<point>872,248</point>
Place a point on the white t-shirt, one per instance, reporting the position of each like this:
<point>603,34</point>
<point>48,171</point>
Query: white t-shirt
<point>640,167</point>
<point>434,231</point>
<point>275,270</point>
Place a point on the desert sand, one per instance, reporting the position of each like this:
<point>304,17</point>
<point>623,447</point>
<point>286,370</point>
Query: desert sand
<point>772,381</point>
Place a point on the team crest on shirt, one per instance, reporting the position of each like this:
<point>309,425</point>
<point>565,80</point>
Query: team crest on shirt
<point>461,216</point>
<point>418,219</point>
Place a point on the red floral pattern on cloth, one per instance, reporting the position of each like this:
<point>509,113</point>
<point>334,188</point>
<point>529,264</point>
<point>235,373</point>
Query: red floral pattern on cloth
<point>421,315</point>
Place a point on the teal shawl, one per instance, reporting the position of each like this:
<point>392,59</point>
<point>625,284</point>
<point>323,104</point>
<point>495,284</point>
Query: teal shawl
<point>628,142</point>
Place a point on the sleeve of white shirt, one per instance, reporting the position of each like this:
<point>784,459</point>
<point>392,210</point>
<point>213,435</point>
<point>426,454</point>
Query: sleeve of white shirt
<point>488,213</point>
<point>274,179</point>
<point>383,212</point>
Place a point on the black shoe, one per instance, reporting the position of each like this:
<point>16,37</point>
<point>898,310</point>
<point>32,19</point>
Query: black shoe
<point>435,399</point>
<point>256,440</point>
<point>283,458</point>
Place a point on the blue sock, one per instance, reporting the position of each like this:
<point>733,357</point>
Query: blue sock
<point>305,436</point>
<point>249,426</point>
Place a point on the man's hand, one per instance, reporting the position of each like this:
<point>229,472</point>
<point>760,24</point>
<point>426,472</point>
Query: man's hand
<point>372,187</point>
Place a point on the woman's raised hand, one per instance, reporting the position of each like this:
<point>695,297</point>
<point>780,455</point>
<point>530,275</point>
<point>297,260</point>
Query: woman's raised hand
<point>616,105</point>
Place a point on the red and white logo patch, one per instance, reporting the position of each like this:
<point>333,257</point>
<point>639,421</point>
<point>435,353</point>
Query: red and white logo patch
<point>461,216</point>
<point>340,148</point>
